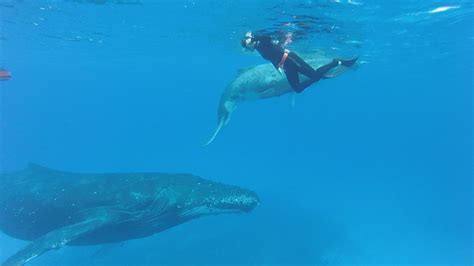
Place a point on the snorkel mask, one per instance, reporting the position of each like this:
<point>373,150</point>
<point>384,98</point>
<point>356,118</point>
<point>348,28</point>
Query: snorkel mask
<point>247,42</point>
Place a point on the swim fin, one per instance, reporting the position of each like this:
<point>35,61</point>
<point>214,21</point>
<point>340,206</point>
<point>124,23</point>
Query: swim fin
<point>348,62</point>
<point>342,68</point>
<point>337,71</point>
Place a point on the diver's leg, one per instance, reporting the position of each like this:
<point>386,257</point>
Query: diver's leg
<point>305,69</point>
<point>319,73</point>
<point>291,72</point>
<point>292,77</point>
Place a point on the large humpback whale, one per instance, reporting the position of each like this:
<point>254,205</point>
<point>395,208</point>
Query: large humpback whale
<point>55,208</point>
<point>262,82</point>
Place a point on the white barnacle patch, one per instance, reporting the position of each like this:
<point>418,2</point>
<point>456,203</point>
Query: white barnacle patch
<point>60,243</point>
<point>63,242</point>
<point>237,200</point>
<point>136,195</point>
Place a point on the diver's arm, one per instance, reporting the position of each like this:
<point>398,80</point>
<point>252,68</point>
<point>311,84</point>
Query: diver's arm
<point>263,39</point>
<point>267,41</point>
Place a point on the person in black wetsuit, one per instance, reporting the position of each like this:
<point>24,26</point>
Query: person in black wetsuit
<point>290,62</point>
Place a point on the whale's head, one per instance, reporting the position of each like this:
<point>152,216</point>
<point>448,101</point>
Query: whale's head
<point>189,197</point>
<point>205,197</point>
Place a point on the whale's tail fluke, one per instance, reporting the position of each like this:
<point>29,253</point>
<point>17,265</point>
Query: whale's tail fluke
<point>218,129</point>
<point>226,107</point>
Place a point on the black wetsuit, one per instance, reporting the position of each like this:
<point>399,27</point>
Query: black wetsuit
<point>293,64</point>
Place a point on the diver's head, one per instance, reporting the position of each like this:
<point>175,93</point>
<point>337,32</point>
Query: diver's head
<point>248,42</point>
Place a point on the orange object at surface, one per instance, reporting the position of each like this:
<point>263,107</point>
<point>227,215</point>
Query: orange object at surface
<point>5,74</point>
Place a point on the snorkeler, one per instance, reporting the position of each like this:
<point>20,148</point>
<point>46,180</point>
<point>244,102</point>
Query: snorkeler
<point>289,62</point>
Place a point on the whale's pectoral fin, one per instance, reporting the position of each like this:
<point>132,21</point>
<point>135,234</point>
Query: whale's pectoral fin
<point>105,249</point>
<point>54,240</point>
<point>243,70</point>
<point>292,99</point>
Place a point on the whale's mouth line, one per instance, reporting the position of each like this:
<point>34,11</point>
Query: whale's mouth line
<point>204,210</point>
<point>190,213</point>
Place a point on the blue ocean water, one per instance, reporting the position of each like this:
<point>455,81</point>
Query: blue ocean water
<point>371,168</point>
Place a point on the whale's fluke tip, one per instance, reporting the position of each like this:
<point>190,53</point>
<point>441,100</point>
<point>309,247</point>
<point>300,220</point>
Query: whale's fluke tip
<point>209,141</point>
<point>218,129</point>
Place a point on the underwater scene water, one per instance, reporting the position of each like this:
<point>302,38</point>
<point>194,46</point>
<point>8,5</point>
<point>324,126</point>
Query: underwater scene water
<point>372,167</point>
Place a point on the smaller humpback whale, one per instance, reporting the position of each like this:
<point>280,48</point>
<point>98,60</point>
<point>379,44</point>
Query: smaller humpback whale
<point>262,82</point>
<point>55,208</point>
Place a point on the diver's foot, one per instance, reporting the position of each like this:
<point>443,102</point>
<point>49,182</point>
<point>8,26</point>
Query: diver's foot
<point>346,62</point>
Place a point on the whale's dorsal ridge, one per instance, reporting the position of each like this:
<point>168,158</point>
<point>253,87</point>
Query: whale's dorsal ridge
<point>243,70</point>
<point>37,167</point>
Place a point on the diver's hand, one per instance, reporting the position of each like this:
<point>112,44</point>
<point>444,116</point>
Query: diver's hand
<point>248,34</point>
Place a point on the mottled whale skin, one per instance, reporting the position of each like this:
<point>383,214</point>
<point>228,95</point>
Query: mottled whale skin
<point>262,82</point>
<point>55,208</point>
